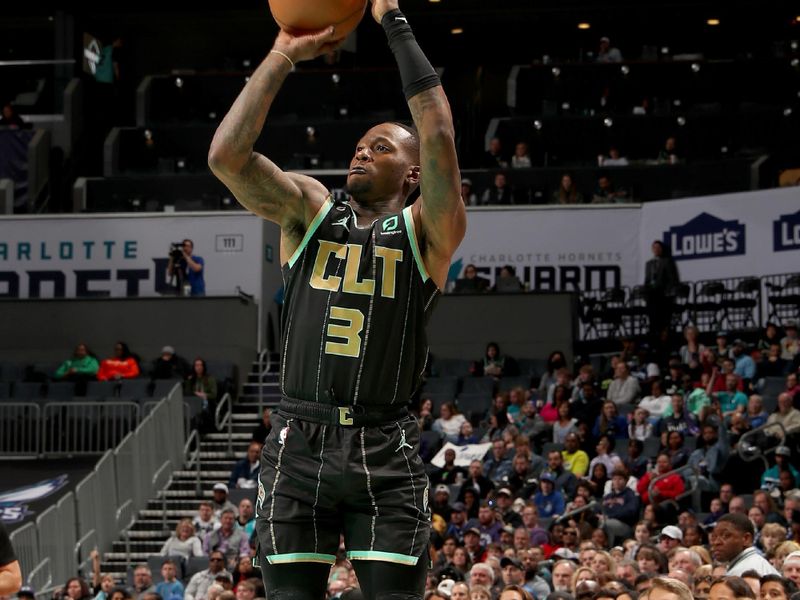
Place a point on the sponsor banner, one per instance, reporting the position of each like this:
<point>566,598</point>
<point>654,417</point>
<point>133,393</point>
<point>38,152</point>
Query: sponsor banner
<point>464,454</point>
<point>555,250</point>
<point>15,504</point>
<point>97,256</point>
<point>730,235</point>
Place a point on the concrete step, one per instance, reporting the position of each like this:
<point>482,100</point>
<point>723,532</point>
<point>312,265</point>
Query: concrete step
<point>123,557</point>
<point>154,526</point>
<point>213,437</point>
<point>150,546</point>
<point>205,475</point>
<point>154,514</point>
<point>182,504</point>
<point>181,494</point>
<point>218,456</point>
<point>150,534</point>
<point>223,445</point>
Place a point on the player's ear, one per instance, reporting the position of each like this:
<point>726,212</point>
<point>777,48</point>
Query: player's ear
<point>412,177</point>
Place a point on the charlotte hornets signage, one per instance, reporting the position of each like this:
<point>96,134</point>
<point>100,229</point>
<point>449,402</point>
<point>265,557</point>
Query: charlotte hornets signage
<point>706,236</point>
<point>786,232</point>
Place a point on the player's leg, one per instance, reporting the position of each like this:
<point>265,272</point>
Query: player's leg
<point>297,581</point>
<point>389,581</point>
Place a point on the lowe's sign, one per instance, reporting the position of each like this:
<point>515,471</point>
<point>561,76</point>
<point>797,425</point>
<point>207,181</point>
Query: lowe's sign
<point>786,232</point>
<point>706,236</point>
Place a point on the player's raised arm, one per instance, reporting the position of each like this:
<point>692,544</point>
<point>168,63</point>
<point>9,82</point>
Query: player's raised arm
<point>440,211</point>
<point>258,183</point>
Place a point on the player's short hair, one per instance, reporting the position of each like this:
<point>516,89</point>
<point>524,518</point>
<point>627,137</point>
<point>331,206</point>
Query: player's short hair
<point>411,143</point>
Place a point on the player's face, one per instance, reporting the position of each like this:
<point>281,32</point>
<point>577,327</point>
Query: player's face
<point>381,163</point>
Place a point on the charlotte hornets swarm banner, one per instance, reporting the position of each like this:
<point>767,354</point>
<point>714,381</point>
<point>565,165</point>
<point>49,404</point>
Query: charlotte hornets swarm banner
<point>731,235</point>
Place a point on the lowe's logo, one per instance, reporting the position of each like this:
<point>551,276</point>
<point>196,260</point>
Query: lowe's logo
<point>706,236</point>
<point>786,232</point>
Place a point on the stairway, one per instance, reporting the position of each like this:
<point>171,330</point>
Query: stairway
<point>150,530</point>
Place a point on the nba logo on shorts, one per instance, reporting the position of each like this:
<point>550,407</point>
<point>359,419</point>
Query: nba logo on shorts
<point>282,436</point>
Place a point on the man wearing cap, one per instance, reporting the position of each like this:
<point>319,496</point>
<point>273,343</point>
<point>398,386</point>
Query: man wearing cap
<point>513,573</point>
<point>458,522</point>
<point>441,501</point>
<point>473,546</point>
<point>606,53</point>
<point>487,523</point>
<point>10,574</point>
<point>221,502</point>
<point>732,543</point>
<point>783,456</point>
<point>671,537</point>
<point>745,365</point>
<point>169,365</point>
<point>509,516</point>
<point>549,501</point>
<point>467,195</point>
<point>791,567</point>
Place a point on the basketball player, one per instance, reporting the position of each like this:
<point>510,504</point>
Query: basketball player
<point>361,279</point>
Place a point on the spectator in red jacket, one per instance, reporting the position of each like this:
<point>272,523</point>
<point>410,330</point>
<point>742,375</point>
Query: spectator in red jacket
<point>123,365</point>
<point>668,488</point>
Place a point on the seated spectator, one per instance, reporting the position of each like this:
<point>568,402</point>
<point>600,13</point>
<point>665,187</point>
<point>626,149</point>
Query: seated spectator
<point>494,363</point>
<point>449,473</point>
<point>783,455</point>
<point>575,459</point>
<point>597,479</point>
<point>640,427</point>
<point>441,502</point>
<point>606,53</point>
<point>264,428</point>
<point>220,500</point>
<point>624,389</point>
<point>521,158</point>
<point>679,419</point>
<point>614,159</point>
<point>755,414</point>
<point>792,385</point>
<point>677,453</point>
<point>466,435</point>
<point>246,521</point>
<point>201,581</point>
<point>605,454</point>
<point>245,472</point>
<point>74,589</point>
<point>471,282</point>
<point>669,153</point>
<point>169,365</point>
<point>467,195</point>
<point>142,581</point>
<point>790,343</point>
<point>232,542</point>
<point>711,455</point>
<point>498,193</point>
<point>745,366</point>
<point>791,567</point>
<point>201,384</point>
<point>497,465</point>
<point>731,400</point>
<point>494,157</point>
<point>607,193</point>
<point>123,365</point>
<point>610,423</point>
<point>183,542</point>
<point>170,587</point>
<point>425,414</point>
<point>507,281</point>
<point>476,482</point>
<point>565,481</point>
<point>772,364</point>
<point>657,402</point>
<point>529,423</point>
<point>81,368</point>
<point>549,502</point>
<point>565,424</point>
<point>635,463</point>
<point>567,192</point>
<point>488,524</point>
<point>668,488</point>
<point>449,421</point>
<point>10,117</point>
<point>786,415</point>
<point>205,521</point>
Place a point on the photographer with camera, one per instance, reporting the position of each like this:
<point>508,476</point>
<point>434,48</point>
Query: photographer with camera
<point>186,270</point>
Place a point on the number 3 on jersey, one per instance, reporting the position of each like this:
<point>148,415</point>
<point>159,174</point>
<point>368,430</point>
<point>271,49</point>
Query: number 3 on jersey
<point>351,332</point>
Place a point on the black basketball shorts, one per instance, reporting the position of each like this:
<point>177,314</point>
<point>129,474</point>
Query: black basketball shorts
<point>321,480</point>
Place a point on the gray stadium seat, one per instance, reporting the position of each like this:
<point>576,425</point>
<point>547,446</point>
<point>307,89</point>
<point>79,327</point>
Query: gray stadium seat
<point>477,385</point>
<point>162,387</point>
<point>509,383</point>
<point>27,390</point>
<point>441,385</point>
<point>651,447</point>
<point>60,391</point>
<point>134,388</point>
<point>101,388</point>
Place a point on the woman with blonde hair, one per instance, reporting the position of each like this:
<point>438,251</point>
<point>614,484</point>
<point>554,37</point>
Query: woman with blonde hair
<point>772,536</point>
<point>783,550</point>
<point>703,553</point>
<point>581,574</point>
<point>183,542</point>
<point>702,581</point>
<point>603,564</point>
<point>515,592</point>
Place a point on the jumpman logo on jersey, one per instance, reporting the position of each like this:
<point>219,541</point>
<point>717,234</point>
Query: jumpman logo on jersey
<point>343,223</point>
<point>403,442</point>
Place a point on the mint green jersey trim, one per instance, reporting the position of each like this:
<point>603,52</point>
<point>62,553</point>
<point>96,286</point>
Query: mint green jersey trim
<point>402,559</point>
<point>296,557</point>
<point>312,227</point>
<point>412,237</point>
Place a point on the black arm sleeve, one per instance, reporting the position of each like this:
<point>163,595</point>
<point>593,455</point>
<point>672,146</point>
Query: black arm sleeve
<point>416,71</point>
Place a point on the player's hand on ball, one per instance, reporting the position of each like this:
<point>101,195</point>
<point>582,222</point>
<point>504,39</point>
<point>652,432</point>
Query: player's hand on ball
<point>381,7</point>
<point>309,46</point>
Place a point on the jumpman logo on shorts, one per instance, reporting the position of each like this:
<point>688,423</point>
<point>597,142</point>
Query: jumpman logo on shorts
<point>403,442</point>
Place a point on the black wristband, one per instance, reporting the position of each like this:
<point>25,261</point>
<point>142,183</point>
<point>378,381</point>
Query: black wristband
<point>416,72</point>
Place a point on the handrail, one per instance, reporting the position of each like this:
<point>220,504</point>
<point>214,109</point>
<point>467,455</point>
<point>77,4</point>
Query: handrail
<point>160,491</point>
<point>126,530</point>
<point>79,545</point>
<point>43,563</point>
<point>193,459</point>
<point>262,370</point>
<point>567,516</point>
<point>749,452</point>
<point>226,419</point>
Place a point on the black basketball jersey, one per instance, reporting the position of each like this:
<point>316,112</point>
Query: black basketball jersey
<point>356,304</point>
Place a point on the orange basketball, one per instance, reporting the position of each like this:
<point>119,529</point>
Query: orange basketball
<point>299,17</point>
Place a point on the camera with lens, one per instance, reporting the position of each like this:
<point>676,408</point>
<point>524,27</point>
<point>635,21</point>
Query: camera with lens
<point>176,251</point>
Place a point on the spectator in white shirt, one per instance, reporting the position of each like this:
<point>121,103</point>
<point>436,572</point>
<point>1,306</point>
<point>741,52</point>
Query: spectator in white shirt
<point>205,521</point>
<point>624,389</point>
<point>521,158</point>
<point>183,542</point>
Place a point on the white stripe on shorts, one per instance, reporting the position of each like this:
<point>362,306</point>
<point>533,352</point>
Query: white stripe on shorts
<point>369,490</point>
<point>413,490</point>
<point>316,495</point>
<point>274,486</point>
